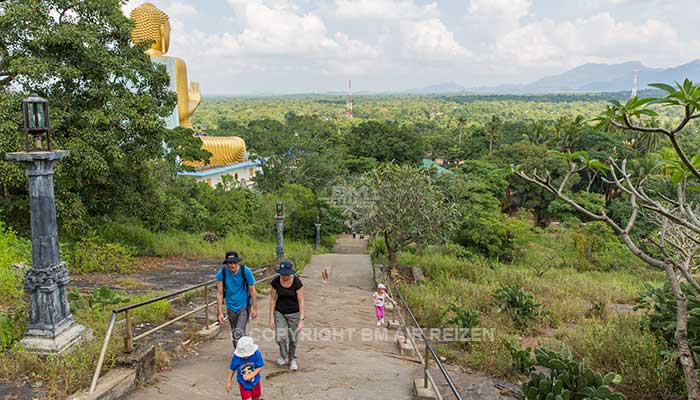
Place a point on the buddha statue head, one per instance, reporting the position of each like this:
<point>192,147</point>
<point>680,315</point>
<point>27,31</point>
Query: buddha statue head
<point>151,25</point>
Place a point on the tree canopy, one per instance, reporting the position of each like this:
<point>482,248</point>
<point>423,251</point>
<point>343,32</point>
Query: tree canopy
<point>106,98</point>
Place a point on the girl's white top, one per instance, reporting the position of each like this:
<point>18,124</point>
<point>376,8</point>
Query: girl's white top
<point>380,299</point>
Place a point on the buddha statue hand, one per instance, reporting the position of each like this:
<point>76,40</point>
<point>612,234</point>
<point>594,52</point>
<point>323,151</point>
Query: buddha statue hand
<point>195,96</point>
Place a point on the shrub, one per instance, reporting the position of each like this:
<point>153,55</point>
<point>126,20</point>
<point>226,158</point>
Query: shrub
<point>100,298</point>
<point>568,379</point>
<point>157,312</point>
<point>625,344</point>
<point>89,255</point>
<point>103,297</point>
<point>378,250</point>
<point>131,235</point>
<point>661,306</point>
<point>599,249</point>
<point>465,318</point>
<point>518,304</point>
<point>522,359</point>
<point>12,250</point>
<point>11,330</point>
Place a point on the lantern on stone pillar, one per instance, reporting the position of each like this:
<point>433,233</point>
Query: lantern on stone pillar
<point>280,209</point>
<point>36,123</point>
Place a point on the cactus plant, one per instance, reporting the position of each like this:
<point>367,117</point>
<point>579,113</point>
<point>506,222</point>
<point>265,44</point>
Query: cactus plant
<point>568,380</point>
<point>522,360</point>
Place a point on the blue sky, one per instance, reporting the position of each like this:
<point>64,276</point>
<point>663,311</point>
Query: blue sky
<point>292,46</point>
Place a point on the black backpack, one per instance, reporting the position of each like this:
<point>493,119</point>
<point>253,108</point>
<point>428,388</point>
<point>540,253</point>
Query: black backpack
<point>245,284</point>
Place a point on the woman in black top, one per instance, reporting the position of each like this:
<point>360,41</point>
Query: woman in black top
<point>287,312</point>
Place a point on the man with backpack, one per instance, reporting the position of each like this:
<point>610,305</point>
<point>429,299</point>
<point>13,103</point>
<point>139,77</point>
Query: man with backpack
<point>236,284</point>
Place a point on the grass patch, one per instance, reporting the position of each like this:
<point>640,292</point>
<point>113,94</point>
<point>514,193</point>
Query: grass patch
<point>156,313</point>
<point>62,375</point>
<point>191,245</point>
<point>12,250</point>
<point>91,255</point>
<point>574,299</point>
<point>625,345</point>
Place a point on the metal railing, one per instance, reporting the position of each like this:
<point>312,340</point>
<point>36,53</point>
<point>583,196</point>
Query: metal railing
<point>129,337</point>
<point>429,351</point>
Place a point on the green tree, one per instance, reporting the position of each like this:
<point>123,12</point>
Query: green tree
<point>107,99</point>
<point>385,142</point>
<point>404,206</point>
<point>674,249</point>
<point>493,130</point>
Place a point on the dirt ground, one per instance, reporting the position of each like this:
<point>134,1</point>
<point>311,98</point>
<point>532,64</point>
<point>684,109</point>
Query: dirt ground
<point>342,354</point>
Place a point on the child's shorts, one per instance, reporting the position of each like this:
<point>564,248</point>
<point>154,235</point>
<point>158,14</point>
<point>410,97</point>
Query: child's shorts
<point>254,393</point>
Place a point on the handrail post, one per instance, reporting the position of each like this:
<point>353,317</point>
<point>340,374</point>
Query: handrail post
<point>206,306</point>
<point>128,338</point>
<point>427,360</point>
<point>101,359</point>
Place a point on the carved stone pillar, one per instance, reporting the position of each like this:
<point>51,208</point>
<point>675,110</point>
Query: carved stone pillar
<point>51,327</point>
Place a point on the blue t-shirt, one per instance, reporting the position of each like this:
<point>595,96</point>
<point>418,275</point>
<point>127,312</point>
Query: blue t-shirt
<point>244,365</point>
<point>235,289</point>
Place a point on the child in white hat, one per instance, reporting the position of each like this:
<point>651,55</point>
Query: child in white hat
<point>379,298</point>
<point>247,362</point>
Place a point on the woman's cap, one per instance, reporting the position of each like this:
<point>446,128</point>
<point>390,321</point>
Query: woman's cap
<point>381,286</point>
<point>245,347</point>
<point>286,268</point>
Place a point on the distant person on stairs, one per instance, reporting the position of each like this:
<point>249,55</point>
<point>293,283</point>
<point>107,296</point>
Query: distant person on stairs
<point>287,313</point>
<point>379,298</point>
<point>236,285</point>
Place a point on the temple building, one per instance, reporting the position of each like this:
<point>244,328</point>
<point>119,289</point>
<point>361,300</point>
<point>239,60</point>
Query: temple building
<point>242,173</point>
<point>229,155</point>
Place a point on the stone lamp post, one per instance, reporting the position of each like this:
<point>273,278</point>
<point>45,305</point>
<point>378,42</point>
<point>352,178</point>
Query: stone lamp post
<point>51,327</point>
<point>280,231</point>
<point>318,232</point>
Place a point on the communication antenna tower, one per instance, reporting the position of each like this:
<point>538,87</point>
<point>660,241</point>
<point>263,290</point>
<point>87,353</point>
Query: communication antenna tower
<point>634,83</point>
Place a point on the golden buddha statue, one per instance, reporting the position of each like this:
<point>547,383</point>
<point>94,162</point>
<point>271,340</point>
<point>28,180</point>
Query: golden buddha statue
<point>224,150</point>
<point>153,25</point>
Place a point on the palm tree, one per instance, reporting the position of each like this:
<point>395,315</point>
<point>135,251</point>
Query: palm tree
<point>493,128</point>
<point>461,121</point>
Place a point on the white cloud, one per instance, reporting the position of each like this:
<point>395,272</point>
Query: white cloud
<point>508,9</point>
<point>177,9</point>
<point>598,38</point>
<point>409,43</point>
<point>383,9</point>
<point>601,4</point>
<point>489,18</point>
<point>430,39</point>
<point>279,29</point>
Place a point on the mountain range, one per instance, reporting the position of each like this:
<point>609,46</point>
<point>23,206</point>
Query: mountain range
<point>585,78</point>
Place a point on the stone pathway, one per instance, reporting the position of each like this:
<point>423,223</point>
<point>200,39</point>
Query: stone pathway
<point>343,355</point>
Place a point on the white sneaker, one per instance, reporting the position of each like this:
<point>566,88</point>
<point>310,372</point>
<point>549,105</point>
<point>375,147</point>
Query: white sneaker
<point>281,361</point>
<point>379,323</point>
<point>293,365</point>
<point>382,321</point>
